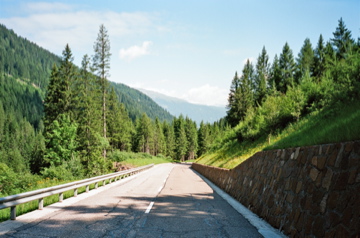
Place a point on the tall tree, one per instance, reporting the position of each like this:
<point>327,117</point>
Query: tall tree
<point>169,138</point>
<point>158,138</point>
<point>305,60</point>
<point>287,67</point>
<point>342,40</point>
<point>275,75</point>
<point>88,117</point>
<point>204,138</point>
<point>262,76</point>
<point>144,134</point>
<point>233,102</point>
<point>101,66</point>
<point>319,64</point>
<point>180,138</point>
<point>192,138</point>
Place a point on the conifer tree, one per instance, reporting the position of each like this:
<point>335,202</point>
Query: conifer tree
<point>192,138</point>
<point>342,40</point>
<point>169,139</point>
<point>159,139</point>
<point>204,138</point>
<point>287,67</point>
<point>180,138</point>
<point>233,116</point>
<point>144,134</point>
<point>305,60</point>
<point>88,116</point>
<point>275,75</point>
<point>319,64</point>
<point>262,76</point>
<point>101,64</point>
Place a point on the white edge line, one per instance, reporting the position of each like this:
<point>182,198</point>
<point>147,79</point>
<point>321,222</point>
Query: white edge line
<point>264,228</point>
<point>149,207</point>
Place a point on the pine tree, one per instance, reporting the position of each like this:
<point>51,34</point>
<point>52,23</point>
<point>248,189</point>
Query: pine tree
<point>169,135</point>
<point>119,125</point>
<point>159,138</point>
<point>101,61</point>
<point>204,138</point>
<point>180,138</point>
<point>192,138</point>
<point>287,67</point>
<point>275,75</point>
<point>305,60</point>
<point>144,134</point>
<point>88,116</point>
<point>342,40</point>
<point>233,103</point>
<point>262,76</point>
<point>319,65</point>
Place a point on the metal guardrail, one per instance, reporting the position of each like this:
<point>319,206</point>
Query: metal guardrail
<point>40,194</point>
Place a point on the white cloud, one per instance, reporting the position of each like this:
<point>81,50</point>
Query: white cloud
<point>53,25</point>
<point>135,51</point>
<point>207,95</point>
<point>45,7</point>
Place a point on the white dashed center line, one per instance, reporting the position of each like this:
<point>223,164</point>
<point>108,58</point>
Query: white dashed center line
<point>149,207</point>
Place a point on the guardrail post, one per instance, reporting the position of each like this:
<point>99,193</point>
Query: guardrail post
<point>41,203</point>
<point>75,192</point>
<point>104,182</point>
<point>61,197</point>
<point>110,180</point>
<point>87,188</point>
<point>13,213</point>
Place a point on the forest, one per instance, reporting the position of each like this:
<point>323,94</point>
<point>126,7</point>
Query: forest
<point>63,122</point>
<point>71,122</point>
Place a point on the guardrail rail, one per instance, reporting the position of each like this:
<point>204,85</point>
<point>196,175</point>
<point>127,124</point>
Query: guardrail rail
<point>40,194</point>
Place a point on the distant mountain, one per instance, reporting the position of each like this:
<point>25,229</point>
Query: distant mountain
<point>178,106</point>
<point>28,67</point>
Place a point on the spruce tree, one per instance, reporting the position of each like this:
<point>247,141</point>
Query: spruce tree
<point>169,139</point>
<point>192,138</point>
<point>305,60</point>
<point>287,67</point>
<point>342,40</point>
<point>180,138</point>
<point>101,64</point>
<point>319,64</point>
<point>262,76</point>
<point>275,75</point>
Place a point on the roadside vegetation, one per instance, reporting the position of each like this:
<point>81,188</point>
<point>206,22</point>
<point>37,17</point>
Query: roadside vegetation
<point>313,99</point>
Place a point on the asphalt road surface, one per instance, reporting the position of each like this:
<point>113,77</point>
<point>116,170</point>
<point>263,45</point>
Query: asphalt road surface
<point>168,200</point>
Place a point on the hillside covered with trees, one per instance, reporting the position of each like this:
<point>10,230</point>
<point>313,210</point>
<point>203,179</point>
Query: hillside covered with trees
<point>64,122</point>
<point>305,99</point>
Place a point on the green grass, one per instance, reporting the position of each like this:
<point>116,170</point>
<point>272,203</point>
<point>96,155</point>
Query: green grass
<point>141,159</point>
<point>330,125</point>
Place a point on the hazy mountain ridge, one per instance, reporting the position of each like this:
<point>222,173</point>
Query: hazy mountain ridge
<point>176,106</point>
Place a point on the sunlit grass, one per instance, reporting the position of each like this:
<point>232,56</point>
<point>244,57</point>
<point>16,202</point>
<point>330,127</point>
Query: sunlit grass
<point>327,126</point>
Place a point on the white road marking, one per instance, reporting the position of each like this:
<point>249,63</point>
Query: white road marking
<point>149,207</point>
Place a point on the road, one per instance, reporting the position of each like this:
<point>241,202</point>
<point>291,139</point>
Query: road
<point>169,200</point>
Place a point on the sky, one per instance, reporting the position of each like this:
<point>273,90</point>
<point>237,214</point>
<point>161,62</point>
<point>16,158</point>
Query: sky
<point>189,49</point>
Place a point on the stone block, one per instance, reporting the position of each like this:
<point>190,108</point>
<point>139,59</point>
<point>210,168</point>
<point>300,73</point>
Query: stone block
<point>332,199</point>
<point>313,174</point>
<point>298,186</point>
<point>341,181</point>
<point>318,227</point>
<point>326,182</point>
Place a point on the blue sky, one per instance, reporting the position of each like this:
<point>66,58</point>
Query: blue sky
<point>187,49</point>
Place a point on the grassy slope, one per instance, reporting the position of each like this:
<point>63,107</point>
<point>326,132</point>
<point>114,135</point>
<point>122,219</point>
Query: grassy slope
<point>327,126</point>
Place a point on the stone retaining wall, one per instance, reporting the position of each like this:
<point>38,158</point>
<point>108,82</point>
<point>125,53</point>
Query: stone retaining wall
<point>306,192</point>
